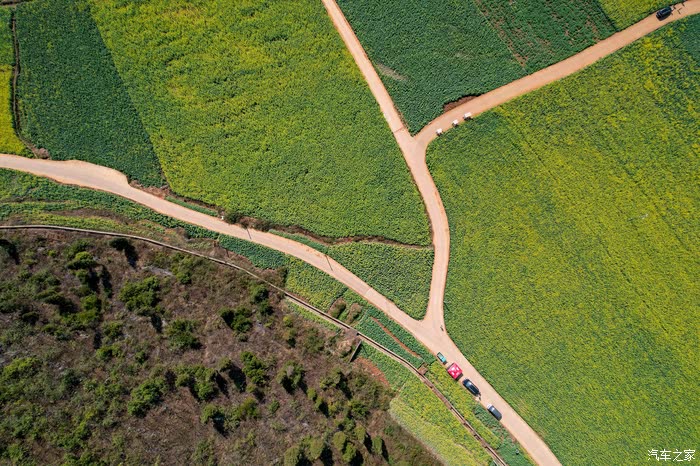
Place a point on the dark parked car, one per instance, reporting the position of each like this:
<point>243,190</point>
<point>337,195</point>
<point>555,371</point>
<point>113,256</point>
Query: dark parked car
<point>496,413</point>
<point>469,385</point>
<point>441,358</point>
<point>664,13</point>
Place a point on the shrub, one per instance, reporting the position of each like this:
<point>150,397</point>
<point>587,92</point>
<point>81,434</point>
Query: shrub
<point>181,335</point>
<point>238,319</point>
<point>293,456</point>
<point>255,370</point>
<point>377,445</point>
<point>360,433</point>
<point>315,448</point>
<point>350,452</point>
<point>199,379</point>
<point>290,376</point>
<point>145,396</point>
<point>313,342</point>
<point>82,261</point>
<point>247,410</point>
<point>339,441</point>
<point>141,297</point>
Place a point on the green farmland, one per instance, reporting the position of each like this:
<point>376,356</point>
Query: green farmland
<point>430,53</point>
<point>623,13</point>
<point>72,101</point>
<point>258,108</point>
<point>9,142</point>
<point>574,225</point>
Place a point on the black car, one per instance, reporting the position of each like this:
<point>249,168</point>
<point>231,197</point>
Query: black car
<point>664,13</point>
<point>496,413</point>
<point>469,385</point>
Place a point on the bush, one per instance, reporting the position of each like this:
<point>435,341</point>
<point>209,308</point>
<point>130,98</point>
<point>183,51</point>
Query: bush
<point>141,297</point>
<point>255,370</point>
<point>238,319</point>
<point>181,336</point>
<point>360,433</point>
<point>145,396</point>
<point>339,441</point>
<point>291,376</point>
<point>199,379</point>
<point>315,448</point>
<point>350,452</point>
<point>293,456</point>
<point>377,445</point>
<point>313,342</point>
<point>82,261</point>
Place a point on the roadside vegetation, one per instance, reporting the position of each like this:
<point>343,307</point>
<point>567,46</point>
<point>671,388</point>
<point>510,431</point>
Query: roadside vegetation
<point>430,54</point>
<point>9,142</point>
<point>105,340</point>
<point>72,101</point>
<point>574,244</point>
<point>259,109</point>
<point>624,13</point>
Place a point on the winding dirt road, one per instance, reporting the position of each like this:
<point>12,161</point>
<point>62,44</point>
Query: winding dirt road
<point>429,330</point>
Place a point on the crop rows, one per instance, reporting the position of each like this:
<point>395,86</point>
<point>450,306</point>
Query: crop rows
<point>72,100</point>
<point>430,53</point>
<point>574,246</point>
<point>418,410</point>
<point>260,109</point>
<point>9,142</point>
<point>400,273</point>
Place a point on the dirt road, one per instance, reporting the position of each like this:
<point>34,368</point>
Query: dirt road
<point>555,72</point>
<point>429,330</point>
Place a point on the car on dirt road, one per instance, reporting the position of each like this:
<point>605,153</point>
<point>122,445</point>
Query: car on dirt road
<point>496,413</point>
<point>664,13</point>
<point>442,358</point>
<point>455,371</point>
<point>469,385</point>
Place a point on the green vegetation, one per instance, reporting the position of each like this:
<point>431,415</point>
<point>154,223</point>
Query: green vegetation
<point>72,101</point>
<point>376,325</point>
<point>626,12</point>
<point>90,403</point>
<point>429,53</point>
<point>9,142</point>
<point>259,109</point>
<point>400,273</point>
<point>574,246</point>
<point>490,429</point>
<point>419,411</point>
<point>193,206</point>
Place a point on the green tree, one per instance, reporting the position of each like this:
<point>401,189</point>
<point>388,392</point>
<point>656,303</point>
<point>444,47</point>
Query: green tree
<point>145,396</point>
<point>290,376</point>
<point>181,334</point>
<point>141,297</point>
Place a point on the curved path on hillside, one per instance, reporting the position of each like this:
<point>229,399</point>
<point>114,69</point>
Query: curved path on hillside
<point>428,331</point>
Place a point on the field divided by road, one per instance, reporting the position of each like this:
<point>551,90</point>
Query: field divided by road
<point>572,282</point>
<point>72,100</point>
<point>257,107</point>
<point>430,53</point>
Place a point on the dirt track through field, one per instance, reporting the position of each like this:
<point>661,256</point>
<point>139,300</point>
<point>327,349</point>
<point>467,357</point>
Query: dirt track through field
<point>429,331</point>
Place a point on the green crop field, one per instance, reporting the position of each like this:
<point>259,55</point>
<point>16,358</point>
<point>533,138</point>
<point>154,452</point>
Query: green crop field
<point>430,53</point>
<point>257,107</point>
<point>72,101</point>
<point>574,225</point>
<point>9,142</point>
<point>400,273</point>
<point>626,12</point>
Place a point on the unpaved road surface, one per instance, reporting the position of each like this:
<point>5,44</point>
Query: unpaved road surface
<point>428,331</point>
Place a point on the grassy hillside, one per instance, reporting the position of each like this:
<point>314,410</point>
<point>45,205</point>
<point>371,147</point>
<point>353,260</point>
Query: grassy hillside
<point>117,352</point>
<point>430,53</point>
<point>257,107</point>
<point>573,214</point>
<point>9,142</point>
<point>72,101</point>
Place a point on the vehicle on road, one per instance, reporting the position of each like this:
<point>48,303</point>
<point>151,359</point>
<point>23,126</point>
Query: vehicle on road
<point>664,13</point>
<point>469,385</point>
<point>454,371</point>
<point>496,413</point>
<point>442,358</point>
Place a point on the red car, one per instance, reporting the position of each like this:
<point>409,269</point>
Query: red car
<point>454,371</point>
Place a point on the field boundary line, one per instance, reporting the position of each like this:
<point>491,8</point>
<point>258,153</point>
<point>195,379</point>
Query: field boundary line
<point>292,297</point>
